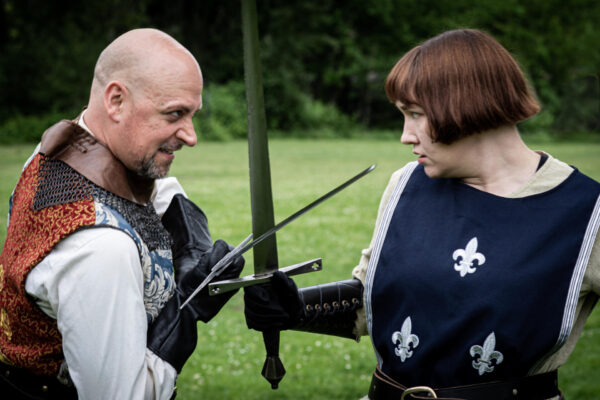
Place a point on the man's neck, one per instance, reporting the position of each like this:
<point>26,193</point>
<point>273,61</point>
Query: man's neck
<point>81,122</point>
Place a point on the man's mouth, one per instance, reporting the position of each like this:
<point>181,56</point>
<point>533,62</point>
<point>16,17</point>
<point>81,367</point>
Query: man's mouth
<point>167,153</point>
<point>169,149</point>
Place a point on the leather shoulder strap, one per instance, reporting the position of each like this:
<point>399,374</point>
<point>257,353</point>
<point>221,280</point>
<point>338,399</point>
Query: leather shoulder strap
<point>70,143</point>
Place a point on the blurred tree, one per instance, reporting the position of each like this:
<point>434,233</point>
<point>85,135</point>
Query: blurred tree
<point>49,50</point>
<point>316,53</point>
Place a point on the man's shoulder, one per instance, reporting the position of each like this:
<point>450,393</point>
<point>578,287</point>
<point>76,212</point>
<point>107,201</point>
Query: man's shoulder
<point>102,240</point>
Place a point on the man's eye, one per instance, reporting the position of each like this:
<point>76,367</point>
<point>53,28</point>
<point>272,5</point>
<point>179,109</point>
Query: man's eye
<point>176,113</point>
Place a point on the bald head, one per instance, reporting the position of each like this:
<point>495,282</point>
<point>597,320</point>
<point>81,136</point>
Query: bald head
<point>145,91</point>
<point>137,57</point>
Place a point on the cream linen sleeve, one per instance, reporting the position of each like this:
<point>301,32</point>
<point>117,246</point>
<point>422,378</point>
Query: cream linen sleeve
<point>92,284</point>
<point>360,271</point>
<point>551,174</point>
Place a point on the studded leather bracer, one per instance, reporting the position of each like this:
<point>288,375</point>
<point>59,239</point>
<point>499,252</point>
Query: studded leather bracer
<point>330,308</point>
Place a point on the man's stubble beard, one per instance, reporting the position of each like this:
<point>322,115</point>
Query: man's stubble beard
<point>150,170</point>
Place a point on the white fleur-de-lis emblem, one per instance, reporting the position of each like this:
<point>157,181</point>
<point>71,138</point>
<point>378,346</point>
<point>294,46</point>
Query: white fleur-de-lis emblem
<point>487,355</point>
<point>403,339</point>
<point>465,257</point>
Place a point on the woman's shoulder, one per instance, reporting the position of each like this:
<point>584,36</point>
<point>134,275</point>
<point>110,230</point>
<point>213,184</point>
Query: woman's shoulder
<point>406,170</point>
<point>548,176</point>
<point>558,171</point>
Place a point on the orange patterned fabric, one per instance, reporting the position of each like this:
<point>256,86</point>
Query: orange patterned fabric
<point>28,337</point>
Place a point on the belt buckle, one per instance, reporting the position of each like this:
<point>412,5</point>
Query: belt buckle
<point>418,389</point>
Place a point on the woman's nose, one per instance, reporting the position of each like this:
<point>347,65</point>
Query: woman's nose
<point>408,135</point>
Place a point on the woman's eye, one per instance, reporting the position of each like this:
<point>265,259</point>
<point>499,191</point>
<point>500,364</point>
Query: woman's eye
<point>414,115</point>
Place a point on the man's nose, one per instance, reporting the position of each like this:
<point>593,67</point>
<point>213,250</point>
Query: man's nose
<point>187,133</point>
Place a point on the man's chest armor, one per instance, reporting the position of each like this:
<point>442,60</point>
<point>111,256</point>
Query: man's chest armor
<point>60,184</point>
<point>51,202</point>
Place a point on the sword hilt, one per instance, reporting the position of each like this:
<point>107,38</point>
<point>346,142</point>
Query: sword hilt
<point>273,369</point>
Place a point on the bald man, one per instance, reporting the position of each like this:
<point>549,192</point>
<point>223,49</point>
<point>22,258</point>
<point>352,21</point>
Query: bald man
<point>101,248</point>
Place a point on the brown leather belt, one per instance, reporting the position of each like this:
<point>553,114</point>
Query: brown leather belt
<point>533,387</point>
<point>20,384</point>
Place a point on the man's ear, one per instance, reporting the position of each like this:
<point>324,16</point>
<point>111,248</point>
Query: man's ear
<point>115,94</point>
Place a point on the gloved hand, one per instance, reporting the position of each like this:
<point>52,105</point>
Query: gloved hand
<point>194,257</point>
<point>204,306</point>
<point>328,308</point>
<point>274,305</point>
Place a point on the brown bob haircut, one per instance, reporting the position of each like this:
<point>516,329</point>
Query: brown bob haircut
<point>466,83</point>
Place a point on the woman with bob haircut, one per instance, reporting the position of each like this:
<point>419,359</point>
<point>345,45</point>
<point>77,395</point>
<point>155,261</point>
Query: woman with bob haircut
<point>485,260</point>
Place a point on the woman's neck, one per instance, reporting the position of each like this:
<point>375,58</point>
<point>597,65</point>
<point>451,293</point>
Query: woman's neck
<point>500,161</point>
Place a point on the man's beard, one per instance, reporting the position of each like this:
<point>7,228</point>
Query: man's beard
<point>150,170</point>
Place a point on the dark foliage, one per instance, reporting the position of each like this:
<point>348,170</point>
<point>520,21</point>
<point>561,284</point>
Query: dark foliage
<point>336,53</point>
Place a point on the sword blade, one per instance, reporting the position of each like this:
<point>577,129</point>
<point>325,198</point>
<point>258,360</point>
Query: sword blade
<point>246,244</point>
<point>307,208</point>
<point>217,269</point>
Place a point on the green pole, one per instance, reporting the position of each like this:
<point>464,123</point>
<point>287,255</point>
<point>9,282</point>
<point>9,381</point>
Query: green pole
<point>265,253</point>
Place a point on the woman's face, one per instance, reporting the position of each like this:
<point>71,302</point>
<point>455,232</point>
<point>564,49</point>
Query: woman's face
<point>439,160</point>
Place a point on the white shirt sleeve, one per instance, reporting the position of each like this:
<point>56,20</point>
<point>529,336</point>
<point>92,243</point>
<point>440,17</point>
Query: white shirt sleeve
<point>96,296</point>
<point>164,190</point>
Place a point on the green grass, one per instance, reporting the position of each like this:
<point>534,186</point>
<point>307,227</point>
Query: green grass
<point>229,357</point>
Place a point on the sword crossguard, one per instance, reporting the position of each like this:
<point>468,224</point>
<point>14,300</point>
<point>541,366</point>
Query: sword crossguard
<point>273,369</point>
<point>219,287</point>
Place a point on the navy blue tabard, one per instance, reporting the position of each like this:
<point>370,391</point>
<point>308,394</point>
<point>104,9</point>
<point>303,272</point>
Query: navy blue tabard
<point>465,287</point>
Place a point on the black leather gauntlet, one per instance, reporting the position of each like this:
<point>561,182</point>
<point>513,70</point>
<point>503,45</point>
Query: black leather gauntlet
<point>328,309</point>
<point>173,334</point>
